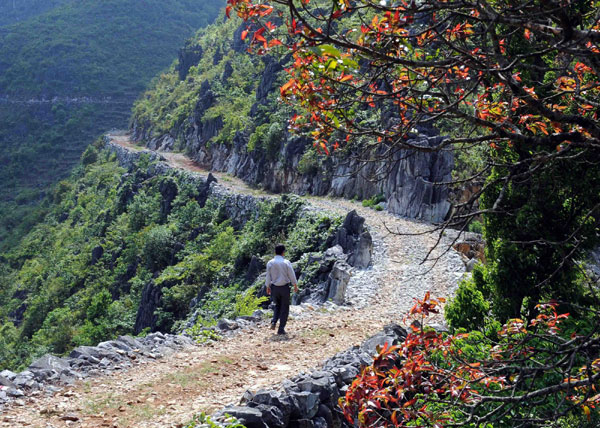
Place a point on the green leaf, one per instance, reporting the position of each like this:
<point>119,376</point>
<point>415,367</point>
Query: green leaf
<point>330,51</point>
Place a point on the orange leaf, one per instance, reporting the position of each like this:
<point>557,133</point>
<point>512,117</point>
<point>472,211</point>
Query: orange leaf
<point>244,34</point>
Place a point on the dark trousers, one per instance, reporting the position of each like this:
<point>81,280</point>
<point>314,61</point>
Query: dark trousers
<point>281,296</point>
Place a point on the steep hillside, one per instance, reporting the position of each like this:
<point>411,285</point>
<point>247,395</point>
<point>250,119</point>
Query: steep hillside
<point>126,252</point>
<point>75,79</point>
<point>221,105</point>
<point>206,377</point>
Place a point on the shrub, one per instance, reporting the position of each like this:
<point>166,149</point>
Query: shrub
<point>201,334</point>
<point>158,250</point>
<point>476,227</point>
<point>89,156</point>
<point>309,162</point>
<point>374,202</point>
<point>143,210</point>
<point>468,309</point>
<point>246,303</point>
<point>204,421</point>
<point>267,137</point>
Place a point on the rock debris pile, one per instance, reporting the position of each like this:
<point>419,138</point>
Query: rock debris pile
<point>309,400</point>
<point>49,373</point>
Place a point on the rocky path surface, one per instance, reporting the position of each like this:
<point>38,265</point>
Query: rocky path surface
<point>168,392</point>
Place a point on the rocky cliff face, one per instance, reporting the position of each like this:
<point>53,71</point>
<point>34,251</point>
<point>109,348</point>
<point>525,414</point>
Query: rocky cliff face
<point>407,179</point>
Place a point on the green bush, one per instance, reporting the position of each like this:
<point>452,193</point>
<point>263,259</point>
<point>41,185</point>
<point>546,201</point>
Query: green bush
<point>246,303</point>
<point>202,335</point>
<point>309,162</point>
<point>143,210</point>
<point>267,137</point>
<point>476,227</point>
<point>159,247</point>
<point>374,202</point>
<point>89,156</point>
<point>204,421</point>
<point>469,308</point>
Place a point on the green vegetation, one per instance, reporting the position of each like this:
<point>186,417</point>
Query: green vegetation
<point>204,421</point>
<point>78,77</point>
<point>234,81</point>
<point>91,48</point>
<point>78,276</point>
<point>530,256</point>
<point>374,202</point>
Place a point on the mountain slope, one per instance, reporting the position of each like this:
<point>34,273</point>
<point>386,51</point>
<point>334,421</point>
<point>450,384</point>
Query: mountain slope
<point>75,79</point>
<point>221,106</point>
<point>122,252</point>
<point>206,378</point>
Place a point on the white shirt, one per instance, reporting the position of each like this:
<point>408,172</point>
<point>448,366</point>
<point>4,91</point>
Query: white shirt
<point>280,272</point>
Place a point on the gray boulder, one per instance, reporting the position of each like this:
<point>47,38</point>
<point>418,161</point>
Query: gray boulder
<point>305,404</point>
<point>8,374</point>
<point>227,325</point>
<point>338,282</point>
<point>270,398</point>
<point>15,393</point>
<point>7,383</point>
<point>50,362</point>
<point>247,416</point>
<point>392,334</point>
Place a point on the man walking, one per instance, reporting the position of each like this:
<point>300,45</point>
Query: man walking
<point>280,275</point>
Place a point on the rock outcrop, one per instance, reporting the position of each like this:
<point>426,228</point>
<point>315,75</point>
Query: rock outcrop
<point>408,180</point>
<point>189,56</point>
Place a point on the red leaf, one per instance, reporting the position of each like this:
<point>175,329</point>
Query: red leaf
<point>244,34</point>
<point>409,403</point>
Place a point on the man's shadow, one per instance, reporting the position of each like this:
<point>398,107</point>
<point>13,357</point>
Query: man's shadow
<point>279,338</point>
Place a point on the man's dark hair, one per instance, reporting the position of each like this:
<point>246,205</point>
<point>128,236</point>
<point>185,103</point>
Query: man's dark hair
<point>279,249</point>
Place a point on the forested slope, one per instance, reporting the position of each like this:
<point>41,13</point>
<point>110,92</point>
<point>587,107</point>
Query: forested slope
<point>221,105</point>
<point>75,79</point>
<point>124,252</point>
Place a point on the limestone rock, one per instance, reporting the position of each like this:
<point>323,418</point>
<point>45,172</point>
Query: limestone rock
<point>50,362</point>
<point>247,416</point>
<point>189,56</point>
<point>227,325</point>
<point>305,404</point>
<point>7,383</point>
<point>391,335</point>
<point>338,282</point>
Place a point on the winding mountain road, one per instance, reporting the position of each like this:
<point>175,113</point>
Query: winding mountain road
<point>168,392</point>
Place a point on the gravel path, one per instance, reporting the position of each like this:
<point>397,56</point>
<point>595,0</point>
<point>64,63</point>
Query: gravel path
<point>168,392</point>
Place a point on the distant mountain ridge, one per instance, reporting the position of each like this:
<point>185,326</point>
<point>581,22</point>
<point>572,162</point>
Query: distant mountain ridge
<point>54,52</point>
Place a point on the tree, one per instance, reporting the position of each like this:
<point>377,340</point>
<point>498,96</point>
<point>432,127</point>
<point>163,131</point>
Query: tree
<point>534,375</point>
<point>519,78</point>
